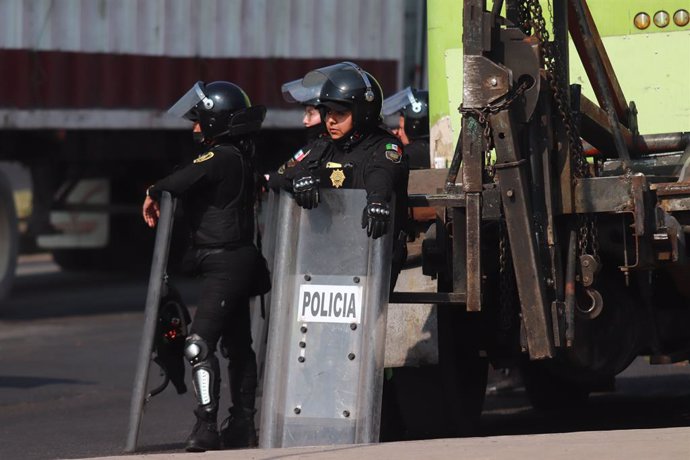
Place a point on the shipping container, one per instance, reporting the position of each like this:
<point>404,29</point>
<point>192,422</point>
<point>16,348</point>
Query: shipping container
<point>86,83</point>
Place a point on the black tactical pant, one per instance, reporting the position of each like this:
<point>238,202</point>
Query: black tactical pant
<point>223,312</point>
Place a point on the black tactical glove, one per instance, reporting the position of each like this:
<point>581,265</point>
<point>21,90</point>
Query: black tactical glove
<point>375,217</point>
<point>306,190</point>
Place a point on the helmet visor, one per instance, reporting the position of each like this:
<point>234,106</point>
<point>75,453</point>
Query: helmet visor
<point>345,76</point>
<point>183,107</point>
<point>392,121</point>
<point>399,101</point>
<point>304,91</point>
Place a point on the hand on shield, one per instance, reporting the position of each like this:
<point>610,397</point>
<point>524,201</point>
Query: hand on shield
<point>375,217</point>
<point>305,188</point>
<point>151,211</point>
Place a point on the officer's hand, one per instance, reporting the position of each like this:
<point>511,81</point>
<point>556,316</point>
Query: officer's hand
<point>375,218</point>
<point>151,211</point>
<point>306,190</point>
<point>275,181</point>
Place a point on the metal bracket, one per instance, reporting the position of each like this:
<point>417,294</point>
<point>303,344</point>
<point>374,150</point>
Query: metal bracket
<point>484,81</point>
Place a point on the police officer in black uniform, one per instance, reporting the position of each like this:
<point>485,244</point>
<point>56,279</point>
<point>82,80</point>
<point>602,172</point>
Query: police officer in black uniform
<point>217,190</point>
<point>408,111</point>
<point>361,153</point>
<point>317,137</point>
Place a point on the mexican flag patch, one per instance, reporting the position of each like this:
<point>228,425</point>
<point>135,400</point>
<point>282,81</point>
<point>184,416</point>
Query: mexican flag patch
<point>393,153</point>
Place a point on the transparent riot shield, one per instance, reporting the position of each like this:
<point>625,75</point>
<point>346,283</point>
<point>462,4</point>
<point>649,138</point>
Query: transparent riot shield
<point>260,311</point>
<point>159,265</point>
<point>324,367</point>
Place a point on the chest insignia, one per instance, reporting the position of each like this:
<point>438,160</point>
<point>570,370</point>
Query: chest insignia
<point>337,178</point>
<point>204,157</point>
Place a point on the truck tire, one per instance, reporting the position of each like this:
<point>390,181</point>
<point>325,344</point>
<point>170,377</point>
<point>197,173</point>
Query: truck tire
<point>549,392</point>
<point>8,237</point>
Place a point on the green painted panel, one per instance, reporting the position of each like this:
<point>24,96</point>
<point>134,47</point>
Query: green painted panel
<point>653,66</point>
<point>615,17</point>
<point>454,81</point>
<point>444,22</point>
<point>654,71</point>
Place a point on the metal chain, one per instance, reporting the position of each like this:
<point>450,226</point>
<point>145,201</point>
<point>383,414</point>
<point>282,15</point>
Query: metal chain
<point>524,22</point>
<point>482,115</point>
<point>553,64</point>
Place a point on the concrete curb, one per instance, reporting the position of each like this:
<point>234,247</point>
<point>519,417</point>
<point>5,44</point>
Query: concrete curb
<point>666,443</point>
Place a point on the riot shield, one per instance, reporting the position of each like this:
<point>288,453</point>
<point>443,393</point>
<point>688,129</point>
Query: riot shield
<point>153,296</point>
<point>324,367</point>
<point>260,311</point>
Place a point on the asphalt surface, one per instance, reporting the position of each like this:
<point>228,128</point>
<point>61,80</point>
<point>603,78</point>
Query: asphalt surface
<point>69,343</point>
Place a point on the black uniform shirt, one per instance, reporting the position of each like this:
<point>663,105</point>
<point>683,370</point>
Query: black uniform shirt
<point>282,178</point>
<point>217,190</point>
<point>373,161</point>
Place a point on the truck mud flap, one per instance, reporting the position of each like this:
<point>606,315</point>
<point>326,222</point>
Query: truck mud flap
<point>325,355</point>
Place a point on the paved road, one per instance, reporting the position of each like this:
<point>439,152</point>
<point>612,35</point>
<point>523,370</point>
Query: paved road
<point>69,342</point>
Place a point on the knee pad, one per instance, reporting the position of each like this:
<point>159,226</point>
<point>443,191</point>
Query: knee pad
<point>205,372</point>
<point>196,349</point>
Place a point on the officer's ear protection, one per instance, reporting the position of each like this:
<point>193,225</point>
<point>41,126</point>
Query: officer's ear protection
<point>368,94</point>
<point>247,120</point>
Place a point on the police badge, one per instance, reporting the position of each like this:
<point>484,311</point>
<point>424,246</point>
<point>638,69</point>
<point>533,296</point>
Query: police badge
<point>337,178</point>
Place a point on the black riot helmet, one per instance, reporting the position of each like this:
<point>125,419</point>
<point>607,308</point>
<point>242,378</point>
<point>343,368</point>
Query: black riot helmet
<point>221,108</point>
<point>345,86</point>
<point>413,105</point>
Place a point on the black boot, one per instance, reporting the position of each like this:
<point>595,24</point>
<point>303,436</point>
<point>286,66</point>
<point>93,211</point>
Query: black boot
<point>204,435</point>
<point>238,429</point>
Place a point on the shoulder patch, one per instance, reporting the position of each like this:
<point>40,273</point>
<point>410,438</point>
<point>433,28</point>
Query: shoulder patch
<point>299,156</point>
<point>393,153</point>
<point>204,157</point>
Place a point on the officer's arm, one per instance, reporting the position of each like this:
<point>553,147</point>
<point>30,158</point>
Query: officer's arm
<point>180,181</point>
<point>385,168</point>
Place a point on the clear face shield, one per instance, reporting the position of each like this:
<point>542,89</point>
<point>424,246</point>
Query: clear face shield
<point>308,89</point>
<point>399,101</point>
<point>305,90</point>
<point>183,107</point>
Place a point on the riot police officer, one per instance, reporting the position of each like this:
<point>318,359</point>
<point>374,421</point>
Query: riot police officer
<point>317,138</point>
<point>218,193</point>
<point>365,155</point>
<point>409,111</point>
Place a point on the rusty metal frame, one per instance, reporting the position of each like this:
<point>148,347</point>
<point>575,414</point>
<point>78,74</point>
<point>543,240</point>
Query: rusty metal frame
<point>593,55</point>
<point>511,174</point>
<point>589,45</point>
